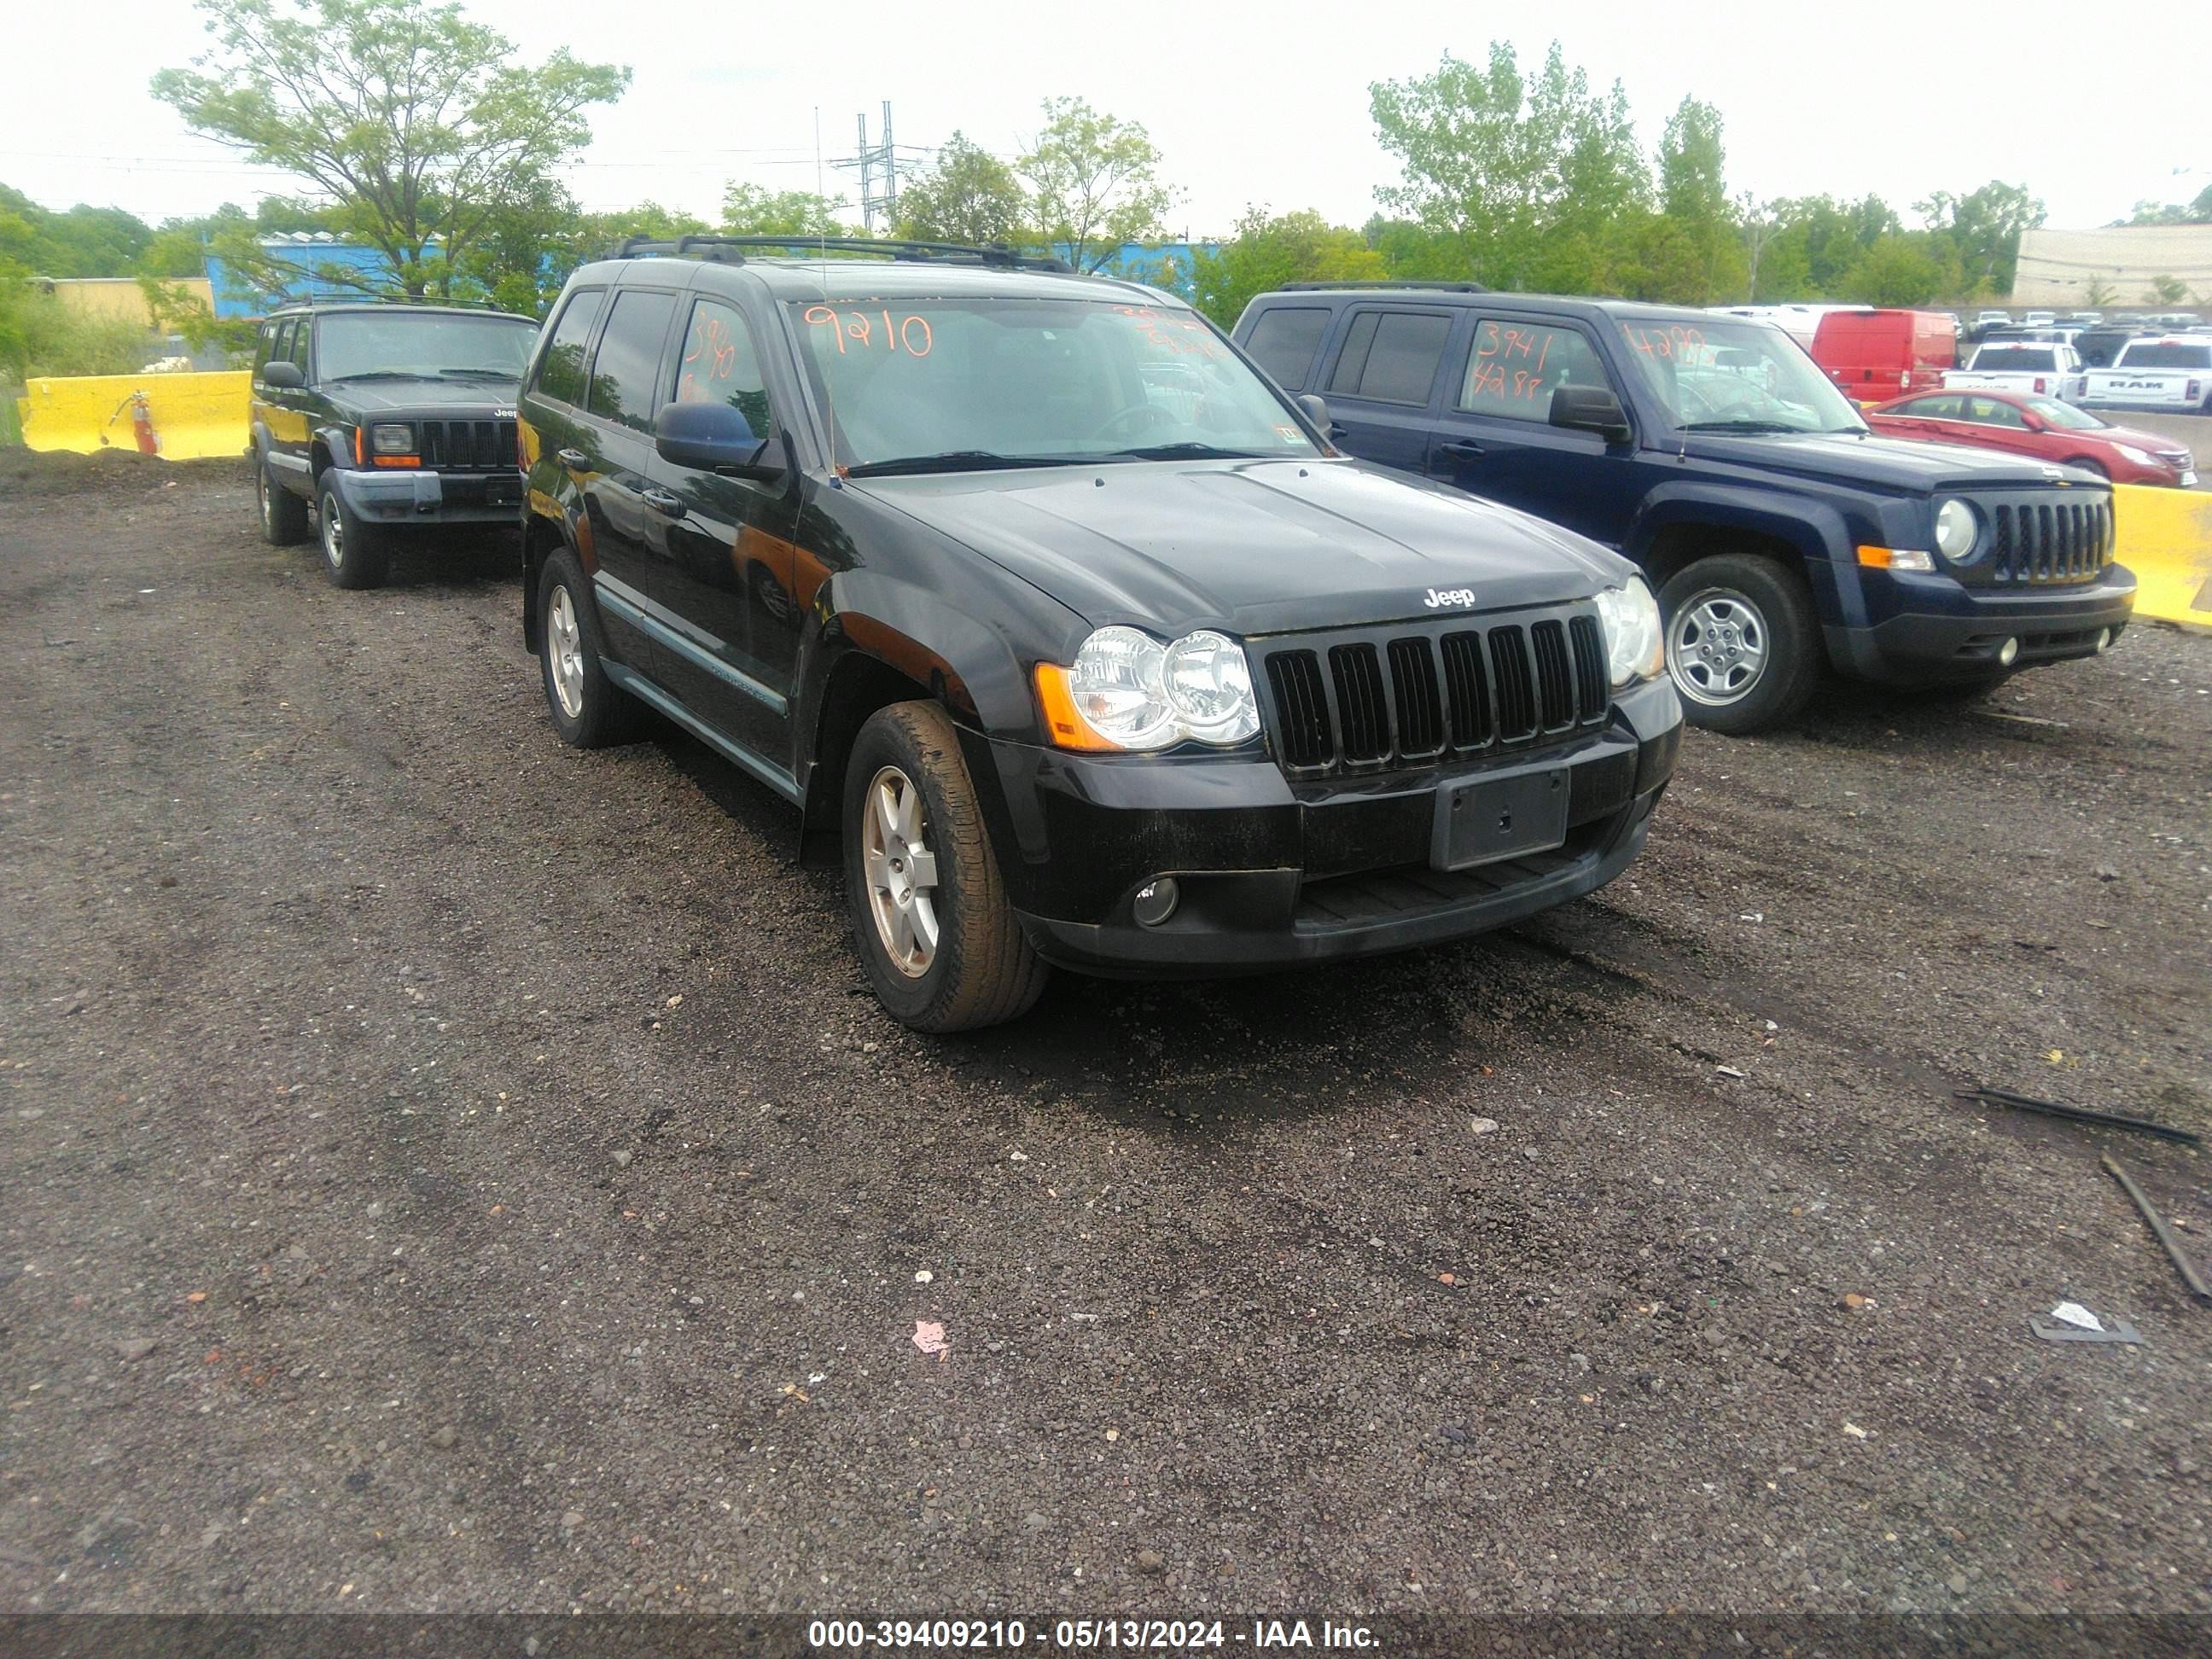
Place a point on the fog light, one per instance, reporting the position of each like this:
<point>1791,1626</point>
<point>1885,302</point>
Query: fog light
<point>1156,901</point>
<point>2009,653</point>
<point>2104,640</point>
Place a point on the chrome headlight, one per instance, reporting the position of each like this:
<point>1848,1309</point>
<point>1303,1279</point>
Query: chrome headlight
<point>391,439</point>
<point>1957,530</point>
<point>2140,457</point>
<point>1127,690</point>
<point>1633,645</point>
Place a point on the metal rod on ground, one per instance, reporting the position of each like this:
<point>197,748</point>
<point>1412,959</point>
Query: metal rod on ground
<point>2161,1231</point>
<point>2081,1114</point>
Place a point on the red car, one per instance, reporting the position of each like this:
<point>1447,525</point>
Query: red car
<point>2045,427</point>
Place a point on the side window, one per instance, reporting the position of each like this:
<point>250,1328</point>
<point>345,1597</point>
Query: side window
<point>1514,368</point>
<point>280,341</point>
<point>561,374</point>
<point>1990,411</point>
<point>1932,409</point>
<point>1391,356</point>
<point>720,366</point>
<point>303,335</point>
<point>264,345</point>
<point>626,368</point>
<point>1284,341</point>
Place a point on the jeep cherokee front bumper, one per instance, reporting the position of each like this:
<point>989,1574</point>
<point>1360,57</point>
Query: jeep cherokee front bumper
<point>390,496</point>
<point>1272,873</point>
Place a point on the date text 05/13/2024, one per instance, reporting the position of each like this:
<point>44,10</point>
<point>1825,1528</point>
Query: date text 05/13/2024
<point>1088,1635</point>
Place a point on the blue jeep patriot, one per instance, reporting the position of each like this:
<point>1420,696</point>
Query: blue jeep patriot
<point>1783,535</point>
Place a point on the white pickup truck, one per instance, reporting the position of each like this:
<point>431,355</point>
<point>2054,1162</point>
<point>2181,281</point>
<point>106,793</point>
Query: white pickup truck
<point>2174,374</point>
<point>2044,369</point>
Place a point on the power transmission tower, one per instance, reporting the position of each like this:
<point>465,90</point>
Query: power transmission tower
<point>877,165</point>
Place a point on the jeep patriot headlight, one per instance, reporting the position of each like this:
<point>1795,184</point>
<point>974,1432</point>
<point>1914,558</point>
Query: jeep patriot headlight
<point>1128,691</point>
<point>1957,530</point>
<point>1634,647</point>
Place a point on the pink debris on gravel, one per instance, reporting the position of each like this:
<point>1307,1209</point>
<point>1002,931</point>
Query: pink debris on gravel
<point>929,1337</point>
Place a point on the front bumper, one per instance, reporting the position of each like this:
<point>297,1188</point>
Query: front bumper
<point>1931,628</point>
<point>1274,873</point>
<point>392,497</point>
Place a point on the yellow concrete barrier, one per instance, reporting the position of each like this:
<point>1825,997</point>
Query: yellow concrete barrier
<point>2166,537</point>
<point>193,415</point>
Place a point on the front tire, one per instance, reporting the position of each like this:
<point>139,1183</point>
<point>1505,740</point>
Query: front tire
<point>1743,645</point>
<point>941,944</point>
<point>589,710</point>
<point>283,515</point>
<point>355,555</point>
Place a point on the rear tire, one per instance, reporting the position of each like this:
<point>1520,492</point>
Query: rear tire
<point>589,710</point>
<point>283,515</point>
<point>941,944</point>
<point>355,555</point>
<point>1743,644</point>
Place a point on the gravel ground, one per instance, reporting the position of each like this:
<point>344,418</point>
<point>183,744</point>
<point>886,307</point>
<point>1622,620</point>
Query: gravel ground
<point>442,1170</point>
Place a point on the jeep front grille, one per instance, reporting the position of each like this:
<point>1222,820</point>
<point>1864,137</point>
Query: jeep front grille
<point>1419,695</point>
<point>2059,537</point>
<point>466,445</point>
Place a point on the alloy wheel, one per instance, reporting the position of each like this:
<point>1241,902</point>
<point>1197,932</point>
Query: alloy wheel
<point>333,532</point>
<point>901,872</point>
<point>564,653</point>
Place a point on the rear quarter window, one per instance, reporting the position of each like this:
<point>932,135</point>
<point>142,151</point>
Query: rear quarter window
<point>562,373</point>
<point>1392,356</point>
<point>1284,340</point>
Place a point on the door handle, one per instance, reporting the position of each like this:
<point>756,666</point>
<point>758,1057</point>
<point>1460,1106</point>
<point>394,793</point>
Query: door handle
<point>574,460</point>
<point>664,502</point>
<point>1459,450</point>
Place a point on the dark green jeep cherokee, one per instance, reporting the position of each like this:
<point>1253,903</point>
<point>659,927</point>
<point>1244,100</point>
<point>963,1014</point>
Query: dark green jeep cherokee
<point>381,418</point>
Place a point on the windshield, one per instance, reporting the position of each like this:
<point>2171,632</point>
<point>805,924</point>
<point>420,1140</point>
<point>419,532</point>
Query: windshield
<point>2166,354</point>
<point>1001,381</point>
<point>2015,358</point>
<point>1745,377</point>
<point>421,344</point>
<point>2065,415</point>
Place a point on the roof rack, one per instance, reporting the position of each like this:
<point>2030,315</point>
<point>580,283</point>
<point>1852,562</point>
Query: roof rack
<point>1435,288</point>
<point>731,250</point>
<point>426,301</point>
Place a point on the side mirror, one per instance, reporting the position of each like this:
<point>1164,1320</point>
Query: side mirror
<point>1315,411</point>
<point>282,376</point>
<point>1590,408</point>
<point>712,438</point>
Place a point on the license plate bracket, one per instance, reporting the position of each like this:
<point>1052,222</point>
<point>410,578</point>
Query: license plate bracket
<point>1483,820</point>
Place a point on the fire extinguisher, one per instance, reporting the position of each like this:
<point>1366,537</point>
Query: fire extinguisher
<point>142,422</point>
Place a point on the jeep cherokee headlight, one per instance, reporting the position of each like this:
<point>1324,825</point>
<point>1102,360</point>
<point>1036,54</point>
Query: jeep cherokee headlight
<point>1634,647</point>
<point>391,439</point>
<point>1127,690</point>
<point>1957,530</point>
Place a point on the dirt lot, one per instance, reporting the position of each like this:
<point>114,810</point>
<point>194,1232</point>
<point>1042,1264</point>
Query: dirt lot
<point>442,1170</point>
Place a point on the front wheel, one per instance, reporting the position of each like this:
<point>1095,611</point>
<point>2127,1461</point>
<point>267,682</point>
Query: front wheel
<point>1743,645</point>
<point>939,942</point>
<point>355,554</point>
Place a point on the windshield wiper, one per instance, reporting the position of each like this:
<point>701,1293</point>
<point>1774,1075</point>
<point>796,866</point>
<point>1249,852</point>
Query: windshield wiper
<point>957,460</point>
<point>1742,426</point>
<point>380,374</point>
<point>482,374</point>
<point>1181,451</point>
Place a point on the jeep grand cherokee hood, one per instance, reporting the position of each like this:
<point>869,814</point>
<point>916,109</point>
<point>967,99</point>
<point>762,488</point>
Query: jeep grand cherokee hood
<point>1255,547</point>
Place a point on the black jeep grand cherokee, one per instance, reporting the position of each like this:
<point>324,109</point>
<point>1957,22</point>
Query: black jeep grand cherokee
<point>1073,632</point>
<point>389,417</point>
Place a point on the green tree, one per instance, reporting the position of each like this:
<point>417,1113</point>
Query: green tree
<point>2167,291</point>
<point>1527,175</point>
<point>1266,253</point>
<point>1985,227</point>
<point>750,210</point>
<point>1903,269</point>
<point>2100,293</point>
<point>1693,198</point>
<point>1093,183</point>
<point>970,196</point>
<point>417,125</point>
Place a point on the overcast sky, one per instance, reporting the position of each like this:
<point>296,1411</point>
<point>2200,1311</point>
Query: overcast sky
<point>1247,104</point>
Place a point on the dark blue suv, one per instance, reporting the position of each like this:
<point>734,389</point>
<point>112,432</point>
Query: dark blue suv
<point>1783,535</point>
